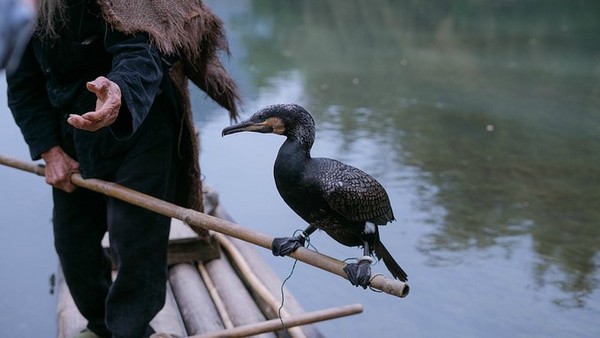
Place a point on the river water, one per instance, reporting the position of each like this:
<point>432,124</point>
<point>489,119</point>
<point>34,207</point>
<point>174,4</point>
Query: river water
<point>481,119</point>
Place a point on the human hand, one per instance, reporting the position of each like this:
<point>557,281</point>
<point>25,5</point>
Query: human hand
<point>59,167</point>
<point>107,106</point>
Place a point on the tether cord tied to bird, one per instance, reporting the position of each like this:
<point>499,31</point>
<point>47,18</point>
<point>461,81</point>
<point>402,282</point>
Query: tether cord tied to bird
<point>345,202</point>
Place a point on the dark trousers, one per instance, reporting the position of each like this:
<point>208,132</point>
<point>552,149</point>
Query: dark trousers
<point>138,239</point>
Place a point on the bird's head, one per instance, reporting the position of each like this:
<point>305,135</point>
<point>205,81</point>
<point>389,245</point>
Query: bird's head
<point>289,120</point>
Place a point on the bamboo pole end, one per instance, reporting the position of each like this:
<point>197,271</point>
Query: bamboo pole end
<point>390,286</point>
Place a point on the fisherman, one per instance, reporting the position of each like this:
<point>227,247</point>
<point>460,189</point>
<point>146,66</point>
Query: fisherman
<point>96,96</point>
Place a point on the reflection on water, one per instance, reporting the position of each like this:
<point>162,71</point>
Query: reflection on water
<point>497,104</point>
<point>491,110</point>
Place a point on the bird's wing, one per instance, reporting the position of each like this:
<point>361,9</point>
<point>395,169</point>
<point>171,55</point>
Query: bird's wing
<point>354,194</point>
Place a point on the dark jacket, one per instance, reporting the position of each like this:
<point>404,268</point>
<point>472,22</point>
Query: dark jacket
<point>49,84</point>
<point>187,31</point>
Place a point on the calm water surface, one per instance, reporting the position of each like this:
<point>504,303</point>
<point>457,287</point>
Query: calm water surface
<point>482,120</point>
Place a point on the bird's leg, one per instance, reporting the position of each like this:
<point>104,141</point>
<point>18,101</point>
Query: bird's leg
<point>283,246</point>
<point>359,274</point>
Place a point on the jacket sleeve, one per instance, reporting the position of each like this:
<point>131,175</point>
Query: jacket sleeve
<point>137,70</point>
<point>29,104</point>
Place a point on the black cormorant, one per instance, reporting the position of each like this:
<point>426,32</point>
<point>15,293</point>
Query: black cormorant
<point>345,202</point>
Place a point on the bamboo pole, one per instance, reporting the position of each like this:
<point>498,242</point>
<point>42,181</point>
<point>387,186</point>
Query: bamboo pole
<point>267,277</point>
<point>275,324</point>
<point>66,308</point>
<point>168,320</point>
<point>199,220</point>
<point>255,284</point>
<point>197,310</point>
<point>241,307</point>
<point>214,295</point>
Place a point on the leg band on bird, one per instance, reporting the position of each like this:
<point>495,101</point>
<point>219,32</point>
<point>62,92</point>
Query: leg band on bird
<point>359,274</point>
<point>283,246</point>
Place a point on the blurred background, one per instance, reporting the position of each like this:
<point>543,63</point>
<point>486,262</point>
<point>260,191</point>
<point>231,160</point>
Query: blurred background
<point>481,119</point>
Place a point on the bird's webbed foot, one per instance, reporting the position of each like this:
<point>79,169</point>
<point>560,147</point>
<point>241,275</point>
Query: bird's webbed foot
<point>359,274</point>
<point>283,246</point>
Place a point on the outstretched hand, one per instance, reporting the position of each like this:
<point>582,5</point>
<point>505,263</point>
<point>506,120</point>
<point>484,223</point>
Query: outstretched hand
<point>107,106</point>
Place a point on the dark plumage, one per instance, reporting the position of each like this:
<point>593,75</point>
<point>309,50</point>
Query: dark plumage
<point>345,202</point>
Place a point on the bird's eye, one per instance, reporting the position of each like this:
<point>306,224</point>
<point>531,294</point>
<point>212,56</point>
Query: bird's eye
<point>262,118</point>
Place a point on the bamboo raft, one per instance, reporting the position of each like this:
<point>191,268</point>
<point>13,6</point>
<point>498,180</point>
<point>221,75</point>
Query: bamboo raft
<point>227,291</point>
<point>235,295</point>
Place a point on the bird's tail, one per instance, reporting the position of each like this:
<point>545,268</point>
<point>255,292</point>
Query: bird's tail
<point>390,263</point>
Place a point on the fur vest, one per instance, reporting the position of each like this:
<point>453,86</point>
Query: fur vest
<point>189,33</point>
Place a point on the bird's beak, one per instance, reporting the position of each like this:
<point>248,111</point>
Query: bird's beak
<point>250,125</point>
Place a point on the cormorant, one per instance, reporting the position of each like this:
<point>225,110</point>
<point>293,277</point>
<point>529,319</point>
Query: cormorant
<point>345,202</point>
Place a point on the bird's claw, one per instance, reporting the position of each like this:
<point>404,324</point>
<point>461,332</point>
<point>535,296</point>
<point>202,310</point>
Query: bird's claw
<point>283,246</point>
<point>359,274</point>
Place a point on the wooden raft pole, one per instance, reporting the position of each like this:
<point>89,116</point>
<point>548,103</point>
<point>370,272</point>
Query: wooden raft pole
<point>275,324</point>
<point>199,220</point>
